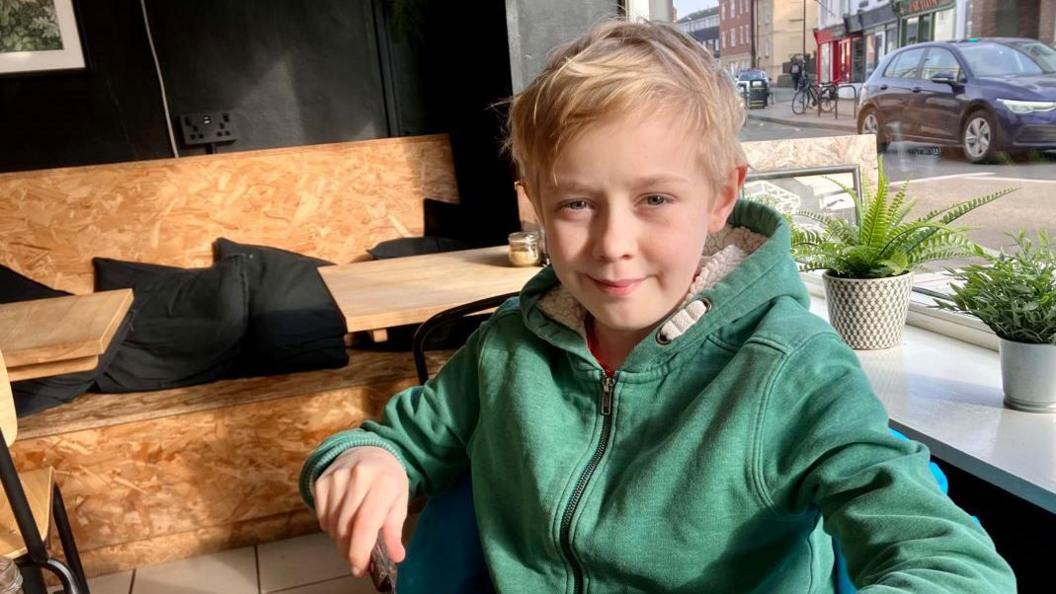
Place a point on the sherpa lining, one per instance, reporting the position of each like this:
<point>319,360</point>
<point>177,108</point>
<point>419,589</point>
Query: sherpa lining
<point>723,252</point>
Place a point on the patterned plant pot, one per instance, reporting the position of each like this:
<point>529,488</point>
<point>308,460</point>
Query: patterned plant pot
<point>1028,375</point>
<point>869,313</point>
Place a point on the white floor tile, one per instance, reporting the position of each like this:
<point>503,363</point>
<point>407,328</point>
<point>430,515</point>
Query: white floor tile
<point>345,585</point>
<point>114,583</point>
<point>226,572</point>
<point>298,561</point>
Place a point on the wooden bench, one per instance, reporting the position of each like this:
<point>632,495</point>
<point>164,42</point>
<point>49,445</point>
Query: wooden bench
<point>156,476</point>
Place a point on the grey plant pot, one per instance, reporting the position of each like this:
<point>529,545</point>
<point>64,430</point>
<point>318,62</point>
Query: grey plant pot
<point>1028,374</point>
<point>869,313</point>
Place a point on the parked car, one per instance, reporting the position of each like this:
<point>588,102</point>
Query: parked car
<point>985,95</point>
<point>754,83</point>
<point>733,82</point>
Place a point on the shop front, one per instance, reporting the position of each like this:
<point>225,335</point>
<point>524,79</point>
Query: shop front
<point>830,62</point>
<point>925,20</point>
<point>880,33</point>
<point>852,50</point>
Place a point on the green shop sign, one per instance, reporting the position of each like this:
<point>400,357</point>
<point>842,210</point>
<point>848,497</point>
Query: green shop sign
<point>909,7</point>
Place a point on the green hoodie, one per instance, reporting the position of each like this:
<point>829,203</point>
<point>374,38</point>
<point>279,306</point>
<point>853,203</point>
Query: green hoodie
<point>719,458</point>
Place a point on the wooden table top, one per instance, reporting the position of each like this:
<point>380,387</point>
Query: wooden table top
<point>383,293</point>
<point>59,335</point>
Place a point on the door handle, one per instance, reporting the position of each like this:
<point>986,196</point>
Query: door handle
<point>883,87</point>
<point>915,89</point>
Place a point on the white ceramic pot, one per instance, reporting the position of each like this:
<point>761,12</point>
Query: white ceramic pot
<point>869,313</point>
<point>1028,374</point>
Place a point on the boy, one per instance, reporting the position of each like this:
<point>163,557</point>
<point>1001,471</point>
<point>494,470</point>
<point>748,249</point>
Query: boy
<point>658,411</point>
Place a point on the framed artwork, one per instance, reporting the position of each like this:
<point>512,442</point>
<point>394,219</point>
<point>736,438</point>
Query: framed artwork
<point>39,36</point>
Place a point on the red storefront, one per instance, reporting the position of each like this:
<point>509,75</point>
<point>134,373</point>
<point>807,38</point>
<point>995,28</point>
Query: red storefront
<point>834,53</point>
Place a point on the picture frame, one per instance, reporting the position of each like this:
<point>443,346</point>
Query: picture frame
<point>39,37</point>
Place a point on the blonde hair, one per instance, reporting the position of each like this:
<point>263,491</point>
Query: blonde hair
<point>617,68</point>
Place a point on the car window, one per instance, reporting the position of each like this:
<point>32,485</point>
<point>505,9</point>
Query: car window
<point>996,59</point>
<point>1042,55</point>
<point>939,60</point>
<point>905,64</point>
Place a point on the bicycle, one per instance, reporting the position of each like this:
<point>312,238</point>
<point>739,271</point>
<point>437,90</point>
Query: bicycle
<point>809,95</point>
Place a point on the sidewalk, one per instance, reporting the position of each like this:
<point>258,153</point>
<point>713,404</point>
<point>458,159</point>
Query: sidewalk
<point>780,112</point>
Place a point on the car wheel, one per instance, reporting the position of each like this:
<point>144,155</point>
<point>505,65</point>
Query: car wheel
<point>869,123</point>
<point>979,137</point>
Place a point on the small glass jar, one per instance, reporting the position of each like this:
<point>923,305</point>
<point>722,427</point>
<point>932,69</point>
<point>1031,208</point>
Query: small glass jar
<point>524,248</point>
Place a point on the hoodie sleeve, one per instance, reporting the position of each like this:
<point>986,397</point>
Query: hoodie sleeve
<point>824,444</point>
<point>426,427</point>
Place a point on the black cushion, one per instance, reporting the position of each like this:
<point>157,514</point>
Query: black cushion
<point>414,246</point>
<point>15,287</point>
<point>294,323</point>
<point>188,327</point>
<point>35,395</point>
<point>445,219</point>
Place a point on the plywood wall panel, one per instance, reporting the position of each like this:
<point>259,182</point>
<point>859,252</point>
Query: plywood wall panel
<point>331,201</point>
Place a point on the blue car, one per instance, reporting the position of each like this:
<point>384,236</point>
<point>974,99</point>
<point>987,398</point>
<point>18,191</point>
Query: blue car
<point>985,95</point>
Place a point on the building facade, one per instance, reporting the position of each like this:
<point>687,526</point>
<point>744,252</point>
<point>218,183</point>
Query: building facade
<point>703,26</point>
<point>782,32</point>
<point>1035,19</point>
<point>735,34</point>
<point>926,20</point>
<point>853,36</point>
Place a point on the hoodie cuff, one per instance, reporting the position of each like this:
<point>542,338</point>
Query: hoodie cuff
<point>329,450</point>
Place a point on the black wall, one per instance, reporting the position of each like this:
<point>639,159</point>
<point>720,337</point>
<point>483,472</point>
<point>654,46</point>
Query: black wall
<point>290,73</point>
<point>111,112</point>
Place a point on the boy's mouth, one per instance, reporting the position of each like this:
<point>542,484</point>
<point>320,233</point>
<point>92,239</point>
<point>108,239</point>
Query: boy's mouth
<point>617,288</point>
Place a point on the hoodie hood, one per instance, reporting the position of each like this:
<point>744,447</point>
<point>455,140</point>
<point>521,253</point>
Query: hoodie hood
<point>743,267</point>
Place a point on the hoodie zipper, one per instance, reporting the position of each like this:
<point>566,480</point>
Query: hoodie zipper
<point>608,384</point>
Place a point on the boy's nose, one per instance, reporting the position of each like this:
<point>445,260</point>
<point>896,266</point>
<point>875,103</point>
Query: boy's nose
<point>614,237</point>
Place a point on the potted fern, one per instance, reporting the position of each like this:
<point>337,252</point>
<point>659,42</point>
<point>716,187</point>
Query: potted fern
<point>868,263</point>
<point>1015,295</point>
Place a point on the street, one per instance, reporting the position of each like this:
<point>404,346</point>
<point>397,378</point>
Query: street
<point>938,177</point>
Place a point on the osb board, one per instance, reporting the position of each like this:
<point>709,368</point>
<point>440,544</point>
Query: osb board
<point>96,411</point>
<point>193,476</point>
<point>331,201</point>
<point>798,153</point>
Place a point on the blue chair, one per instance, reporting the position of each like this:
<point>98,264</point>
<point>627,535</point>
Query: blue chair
<point>843,578</point>
<point>444,554</point>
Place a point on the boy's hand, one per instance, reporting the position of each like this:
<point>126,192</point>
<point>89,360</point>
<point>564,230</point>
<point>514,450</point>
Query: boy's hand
<point>362,492</point>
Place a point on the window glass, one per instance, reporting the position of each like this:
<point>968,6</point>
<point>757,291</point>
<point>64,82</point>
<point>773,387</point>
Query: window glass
<point>904,65</point>
<point>939,60</point>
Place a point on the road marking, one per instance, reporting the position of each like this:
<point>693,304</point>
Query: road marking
<point>956,175</point>
<point>1024,179</point>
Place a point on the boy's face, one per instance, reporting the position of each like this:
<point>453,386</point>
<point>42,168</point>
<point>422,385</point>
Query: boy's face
<point>627,218</point>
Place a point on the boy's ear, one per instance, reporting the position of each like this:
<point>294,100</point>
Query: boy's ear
<point>726,199</point>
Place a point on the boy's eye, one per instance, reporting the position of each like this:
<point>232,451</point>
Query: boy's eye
<point>656,200</point>
<point>576,205</point>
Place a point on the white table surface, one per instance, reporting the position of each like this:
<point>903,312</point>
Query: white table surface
<point>947,394</point>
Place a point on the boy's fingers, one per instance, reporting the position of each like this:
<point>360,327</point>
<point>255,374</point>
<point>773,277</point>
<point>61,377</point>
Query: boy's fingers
<point>369,518</point>
<point>336,502</point>
<point>392,530</point>
<point>345,514</point>
<point>322,494</point>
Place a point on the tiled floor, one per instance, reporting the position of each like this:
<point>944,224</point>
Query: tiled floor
<point>302,565</point>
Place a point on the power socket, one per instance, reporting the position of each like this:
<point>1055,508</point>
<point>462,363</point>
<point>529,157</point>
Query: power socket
<point>207,128</point>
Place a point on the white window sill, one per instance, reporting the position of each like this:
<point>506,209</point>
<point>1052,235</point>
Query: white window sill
<point>946,393</point>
